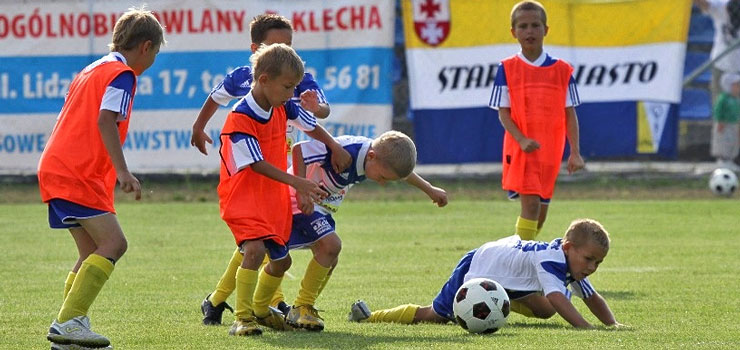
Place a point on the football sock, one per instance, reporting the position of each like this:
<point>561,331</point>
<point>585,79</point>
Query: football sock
<point>266,286</point>
<point>400,314</point>
<point>521,309</point>
<point>311,283</point>
<point>526,229</point>
<point>68,283</point>
<point>277,297</point>
<point>91,278</point>
<point>246,282</point>
<point>325,281</point>
<point>227,283</point>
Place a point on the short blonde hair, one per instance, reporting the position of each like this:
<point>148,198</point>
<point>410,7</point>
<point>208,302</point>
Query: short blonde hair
<point>528,5</point>
<point>397,151</point>
<point>582,231</point>
<point>136,26</point>
<point>274,60</point>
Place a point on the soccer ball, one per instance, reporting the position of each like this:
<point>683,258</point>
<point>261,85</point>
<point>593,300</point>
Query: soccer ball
<point>723,182</point>
<point>481,305</point>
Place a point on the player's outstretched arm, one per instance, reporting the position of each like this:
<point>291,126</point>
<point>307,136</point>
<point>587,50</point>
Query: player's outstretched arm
<point>200,137</point>
<point>566,310</point>
<point>303,186</point>
<point>299,169</point>
<point>527,145</point>
<point>438,195</point>
<point>310,102</point>
<point>340,158</point>
<point>600,309</point>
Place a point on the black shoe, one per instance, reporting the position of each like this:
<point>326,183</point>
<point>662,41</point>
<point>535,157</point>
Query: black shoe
<point>212,314</point>
<point>283,307</point>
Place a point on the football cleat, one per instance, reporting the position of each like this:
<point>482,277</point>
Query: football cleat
<point>245,327</point>
<point>55,346</point>
<point>358,312</point>
<point>283,307</point>
<point>305,317</point>
<point>275,320</point>
<point>212,314</point>
<point>76,331</point>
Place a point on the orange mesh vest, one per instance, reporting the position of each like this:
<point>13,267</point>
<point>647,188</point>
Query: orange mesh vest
<point>537,96</point>
<point>253,205</point>
<point>75,165</point>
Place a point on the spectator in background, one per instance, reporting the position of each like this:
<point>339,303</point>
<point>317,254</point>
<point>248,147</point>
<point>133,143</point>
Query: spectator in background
<point>726,17</point>
<point>726,129</point>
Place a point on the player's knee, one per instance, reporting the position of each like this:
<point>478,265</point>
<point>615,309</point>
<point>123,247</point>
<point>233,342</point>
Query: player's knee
<point>330,247</point>
<point>278,267</point>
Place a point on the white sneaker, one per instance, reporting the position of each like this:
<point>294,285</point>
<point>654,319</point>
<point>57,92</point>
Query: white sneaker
<point>77,332</point>
<point>358,312</point>
<point>55,346</point>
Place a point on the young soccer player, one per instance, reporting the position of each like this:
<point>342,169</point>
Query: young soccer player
<point>535,95</point>
<point>253,191</point>
<point>535,275</point>
<point>389,157</point>
<point>264,29</point>
<point>726,128</point>
<point>80,165</point>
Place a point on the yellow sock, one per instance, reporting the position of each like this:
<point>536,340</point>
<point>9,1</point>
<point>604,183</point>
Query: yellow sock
<point>277,297</point>
<point>266,286</point>
<point>526,229</point>
<point>311,283</point>
<point>520,308</point>
<point>68,283</point>
<point>324,282</point>
<point>227,283</point>
<point>400,314</point>
<point>246,282</point>
<point>91,278</point>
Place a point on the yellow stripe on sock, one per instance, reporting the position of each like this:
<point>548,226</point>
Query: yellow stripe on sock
<point>68,283</point>
<point>403,314</point>
<point>311,283</point>
<point>526,229</point>
<point>266,286</point>
<point>246,282</point>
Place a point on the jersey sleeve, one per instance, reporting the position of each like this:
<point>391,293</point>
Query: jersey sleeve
<point>582,289</point>
<point>299,117</point>
<point>571,97</point>
<point>309,83</point>
<point>236,84</point>
<point>245,150</point>
<point>118,95</point>
<point>314,152</point>
<point>552,270</point>
<point>500,94</point>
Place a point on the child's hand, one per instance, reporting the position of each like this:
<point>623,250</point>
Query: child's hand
<point>310,101</point>
<point>304,204</point>
<point>309,189</point>
<point>340,160</point>
<point>617,325</point>
<point>575,163</point>
<point>438,196</point>
<point>129,183</point>
<point>529,145</point>
<point>199,140</point>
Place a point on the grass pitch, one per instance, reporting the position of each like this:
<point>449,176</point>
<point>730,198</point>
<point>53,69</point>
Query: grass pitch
<point>671,274</point>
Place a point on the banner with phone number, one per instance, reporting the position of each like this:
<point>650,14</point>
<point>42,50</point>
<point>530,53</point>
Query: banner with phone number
<point>628,71</point>
<point>346,44</point>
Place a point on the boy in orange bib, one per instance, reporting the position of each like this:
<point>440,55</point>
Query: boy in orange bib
<point>535,95</point>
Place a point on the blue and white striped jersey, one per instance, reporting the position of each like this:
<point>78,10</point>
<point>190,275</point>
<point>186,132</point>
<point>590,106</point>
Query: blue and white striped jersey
<point>527,266</point>
<point>238,83</point>
<point>500,94</point>
<point>118,94</point>
<point>245,148</point>
<point>318,169</point>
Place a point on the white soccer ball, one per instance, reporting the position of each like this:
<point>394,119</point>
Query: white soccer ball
<point>723,182</point>
<point>481,306</point>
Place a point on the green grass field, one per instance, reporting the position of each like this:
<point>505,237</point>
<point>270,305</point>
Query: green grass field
<point>671,274</point>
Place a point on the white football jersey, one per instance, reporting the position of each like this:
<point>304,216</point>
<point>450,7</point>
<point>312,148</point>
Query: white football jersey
<point>527,266</point>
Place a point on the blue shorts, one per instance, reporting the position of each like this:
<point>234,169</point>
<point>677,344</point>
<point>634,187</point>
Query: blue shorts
<point>64,214</point>
<point>514,195</point>
<point>275,250</point>
<point>442,304</point>
<point>307,229</point>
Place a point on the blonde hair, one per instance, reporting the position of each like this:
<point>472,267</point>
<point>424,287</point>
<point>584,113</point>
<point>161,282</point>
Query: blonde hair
<point>397,151</point>
<point>582,231</point>
<point>274,60</point>
<point>135,26</point>
<point>528,5</point>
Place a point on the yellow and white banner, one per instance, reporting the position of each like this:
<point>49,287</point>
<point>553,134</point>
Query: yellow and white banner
<point>620,50</point>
